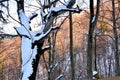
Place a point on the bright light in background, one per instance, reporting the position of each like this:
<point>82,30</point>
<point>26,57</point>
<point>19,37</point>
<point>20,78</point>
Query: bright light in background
<point>31,6</point>
<point>8,27</point>
<point>84,4</point>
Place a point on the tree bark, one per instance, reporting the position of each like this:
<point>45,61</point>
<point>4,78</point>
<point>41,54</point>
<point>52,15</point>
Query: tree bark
<point>117,70</point>
<point>35,61</point>
<point>71,48</point>
<point>90,42</point>
<point>32,42</point>
<point>92,24</point>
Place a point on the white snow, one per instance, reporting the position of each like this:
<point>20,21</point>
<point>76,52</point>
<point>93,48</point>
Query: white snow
<point>45,47</point>
<point>39,31</point>
<point>8,28</point>
<point>93,19</point>
<point>43,14</point>
<point>56,9</point>
<point>22,31</point>
<point>58,78</point>
<point>26,49</point>
<point>24,19</point>
<point>28,55</point>
<point>41,35</point>
<point>94,73</point>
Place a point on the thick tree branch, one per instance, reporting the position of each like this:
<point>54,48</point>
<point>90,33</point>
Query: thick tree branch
<point>7,35</point>
<point>33,16</point>
<point>32,42</point>
<point>52,13</point>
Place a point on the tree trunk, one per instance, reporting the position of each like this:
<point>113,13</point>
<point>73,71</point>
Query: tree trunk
<point>92,24</point>
<point>35,61</point>
<point>50,61</point>
<point>90,42</point>
<point>71,48</point>
<point>32,42</point>
<point>117,69</point>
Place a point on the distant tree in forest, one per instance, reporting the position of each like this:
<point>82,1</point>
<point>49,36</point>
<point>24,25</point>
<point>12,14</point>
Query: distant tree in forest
<point>92,24</point>
<point>117,54</point>
<point>71,48</point>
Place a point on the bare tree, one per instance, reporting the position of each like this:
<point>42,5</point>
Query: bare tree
<point>32,42</point>
<point>92,24</point>
<point>71,48</point>
<point>117,70</point>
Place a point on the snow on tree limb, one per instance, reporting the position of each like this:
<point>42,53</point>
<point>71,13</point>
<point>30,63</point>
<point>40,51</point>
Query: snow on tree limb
<point>24,19</point>
<point>22,32</point>
<point>60,76</point>
<point>33,15</point>
<point>52,13</point>
<point>32,42</point>
<point>46,48</point>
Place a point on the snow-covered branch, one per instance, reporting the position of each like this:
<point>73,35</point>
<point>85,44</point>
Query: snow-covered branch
<point>60,76</point>
<point>53,12</point>
<point>25,29</point>
<point>33,15</point>
<point>46,48</point>
<point>32,42</point>
<point>22,31</point>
